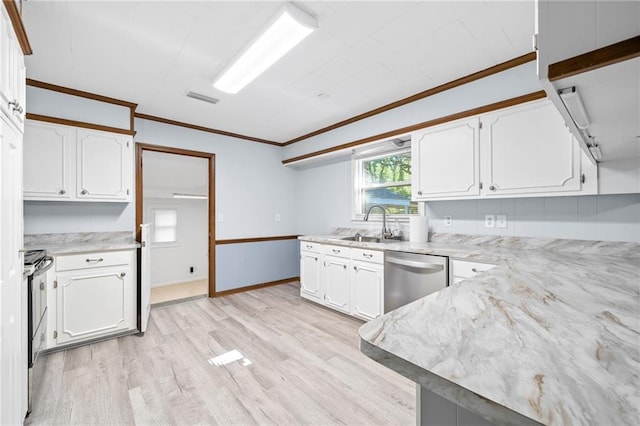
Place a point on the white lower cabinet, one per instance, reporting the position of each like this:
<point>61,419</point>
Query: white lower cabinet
<point>93,296</point>
<point>463,269</point>
<point>310,266</point>
<point>349,280</point>
<point>367,284</point>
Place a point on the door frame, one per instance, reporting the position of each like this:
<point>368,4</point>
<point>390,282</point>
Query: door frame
<point>140,148</point>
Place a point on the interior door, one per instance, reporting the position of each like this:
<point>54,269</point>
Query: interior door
<point>145,278</point>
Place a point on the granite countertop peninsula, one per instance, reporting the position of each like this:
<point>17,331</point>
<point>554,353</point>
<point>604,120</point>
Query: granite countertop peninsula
<point>551,335</point>
<point>70,243</point>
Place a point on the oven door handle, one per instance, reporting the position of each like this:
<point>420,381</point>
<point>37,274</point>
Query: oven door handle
<point>47,261</point>
<point>414,264</point>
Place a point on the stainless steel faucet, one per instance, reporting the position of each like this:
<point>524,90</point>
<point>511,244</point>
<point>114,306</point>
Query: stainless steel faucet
<point>386,234</point>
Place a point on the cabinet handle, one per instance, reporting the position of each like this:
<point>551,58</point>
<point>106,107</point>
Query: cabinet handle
<point>344,266</point>
<point>474,270</point>
<point>492,187</point>
<point>368,256</point>
<point>315,258</point>
<point>94,260</point>
<point>336,251</point>
<point>419,192</point>
<point>84,192</point>
<point>62,192</point>
<point>122,274</point>
<point>15,106</point>
<point>309,246</point>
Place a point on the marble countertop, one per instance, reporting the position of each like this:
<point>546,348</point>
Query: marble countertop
<point>551,335</point>
<point>70,243</point>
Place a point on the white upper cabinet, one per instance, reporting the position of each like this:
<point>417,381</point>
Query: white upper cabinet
<point>12,73</point>
<point>104,165</point>
<point>522,151</point>
<point>445,161</point>
<point>71,164</point>
<point>49,169</point>
<point>528,149</point>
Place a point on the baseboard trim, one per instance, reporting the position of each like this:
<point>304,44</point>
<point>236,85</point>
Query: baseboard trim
<point>255,286</point>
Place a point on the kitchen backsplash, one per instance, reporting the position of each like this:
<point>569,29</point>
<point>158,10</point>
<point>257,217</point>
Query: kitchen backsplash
<point>49,217</point>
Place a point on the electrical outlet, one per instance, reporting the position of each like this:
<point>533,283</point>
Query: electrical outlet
<point>448,221</point>
<point>191,269</point>
<point>277,217</point>
<point>501,221</point>
<point>489,221</point>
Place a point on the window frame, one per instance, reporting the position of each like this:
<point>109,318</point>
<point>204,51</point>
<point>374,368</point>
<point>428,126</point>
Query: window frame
<point>357,183</point>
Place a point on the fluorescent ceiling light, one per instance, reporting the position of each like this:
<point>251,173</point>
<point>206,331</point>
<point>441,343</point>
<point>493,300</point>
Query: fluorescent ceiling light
<point>189,196</point>
<point>574,105</point>
<point>289,26</point>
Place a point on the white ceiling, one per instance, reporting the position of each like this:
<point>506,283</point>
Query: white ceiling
<point>365,54</point>
<point>164,174</point>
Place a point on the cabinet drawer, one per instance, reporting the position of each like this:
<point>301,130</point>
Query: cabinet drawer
<point>309,246</point>
<point>464,269</point>
<point>92,260</point>
<point>366,255</point>
<point>338,251</point>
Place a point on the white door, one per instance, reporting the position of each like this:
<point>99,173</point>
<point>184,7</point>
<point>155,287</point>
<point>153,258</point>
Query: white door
<point>13,338</point>
<point>336,283</point>
<point>310,276</point>
<point>366,290</point>
<point>49,168</point>
<point>104,166</point>
<point>93,303</point>
<point>446,161</point>
<point>145,277</point>
<point>528,149</point>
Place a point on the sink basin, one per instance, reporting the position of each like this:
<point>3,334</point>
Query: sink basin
<point>363,239</point>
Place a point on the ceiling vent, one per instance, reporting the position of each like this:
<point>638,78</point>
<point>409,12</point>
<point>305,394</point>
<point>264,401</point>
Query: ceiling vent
<point>203,98</point>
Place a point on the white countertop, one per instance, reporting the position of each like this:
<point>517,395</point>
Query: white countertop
<point>551,335</point>
<point>61,244</point>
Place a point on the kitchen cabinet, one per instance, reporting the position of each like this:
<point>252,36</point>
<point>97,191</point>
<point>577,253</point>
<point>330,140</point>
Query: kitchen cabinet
<point>349,280</point>
<point>12,74</point>
<point>310,283</point>
<point>74,164</point>
<point>93,295</point>
<point>367,283</point>
<point>521,151</point>
<point>446,161</point>
<point>463,269</point>
<point>335,277</point>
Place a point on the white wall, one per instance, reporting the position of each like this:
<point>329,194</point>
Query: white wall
<point>170,263</point>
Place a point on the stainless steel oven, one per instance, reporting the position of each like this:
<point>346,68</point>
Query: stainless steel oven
<point>36,263</point>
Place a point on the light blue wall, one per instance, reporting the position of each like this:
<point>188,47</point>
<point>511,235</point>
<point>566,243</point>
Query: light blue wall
<point>245,264</point>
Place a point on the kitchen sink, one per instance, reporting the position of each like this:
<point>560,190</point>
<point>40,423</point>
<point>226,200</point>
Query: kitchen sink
<point>363,239</point>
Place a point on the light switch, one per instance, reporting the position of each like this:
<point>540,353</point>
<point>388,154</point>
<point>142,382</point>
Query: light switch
<point>277,217</point>
<point>501,221</point>
<point>489,221</point>
<point>220,217</point>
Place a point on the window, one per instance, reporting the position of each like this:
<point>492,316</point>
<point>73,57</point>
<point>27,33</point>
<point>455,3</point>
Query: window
<point>165,225</point>
<point>384,179</point>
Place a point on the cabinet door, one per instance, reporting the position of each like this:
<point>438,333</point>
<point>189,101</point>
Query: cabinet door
<point>528,149</point>
<point>104,166</point>
<point>94,303</point>
<point>310,285</point>
<point>6,62</point>
<point>336,283</point>
<point>366,290</point>
<point>13,291</point>
<point>49,161</point>
<point>445,161</point>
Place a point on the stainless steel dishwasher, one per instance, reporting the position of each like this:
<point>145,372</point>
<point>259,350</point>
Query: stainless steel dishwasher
<point>411,276</point>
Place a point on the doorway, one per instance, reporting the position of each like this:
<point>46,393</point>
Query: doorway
<point>176,197</point>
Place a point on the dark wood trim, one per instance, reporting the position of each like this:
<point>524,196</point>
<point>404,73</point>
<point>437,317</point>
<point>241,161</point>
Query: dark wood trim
<point>18,26</point>
<point>79,93</point>
<point>75,123</point>
<point>430,92</point>
<point>608,55</point>
<point>257,239</point>
<point>257,286</point>
<point>140,148</point>
<point>204,129</point>
<point>468,113</point>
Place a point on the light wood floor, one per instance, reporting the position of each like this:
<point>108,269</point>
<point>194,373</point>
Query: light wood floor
<point>300,366</point>
<point>167,293</point>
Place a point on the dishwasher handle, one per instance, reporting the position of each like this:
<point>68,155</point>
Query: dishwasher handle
<point>414,264</point>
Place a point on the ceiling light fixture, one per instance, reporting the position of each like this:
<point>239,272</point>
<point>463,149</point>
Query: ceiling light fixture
<point>288,27</point>
<point>573,103</point>
<point>189,196</point>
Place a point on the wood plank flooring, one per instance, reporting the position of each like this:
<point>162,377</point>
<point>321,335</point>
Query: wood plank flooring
<point>167,293</point>
<point>300,365</point>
